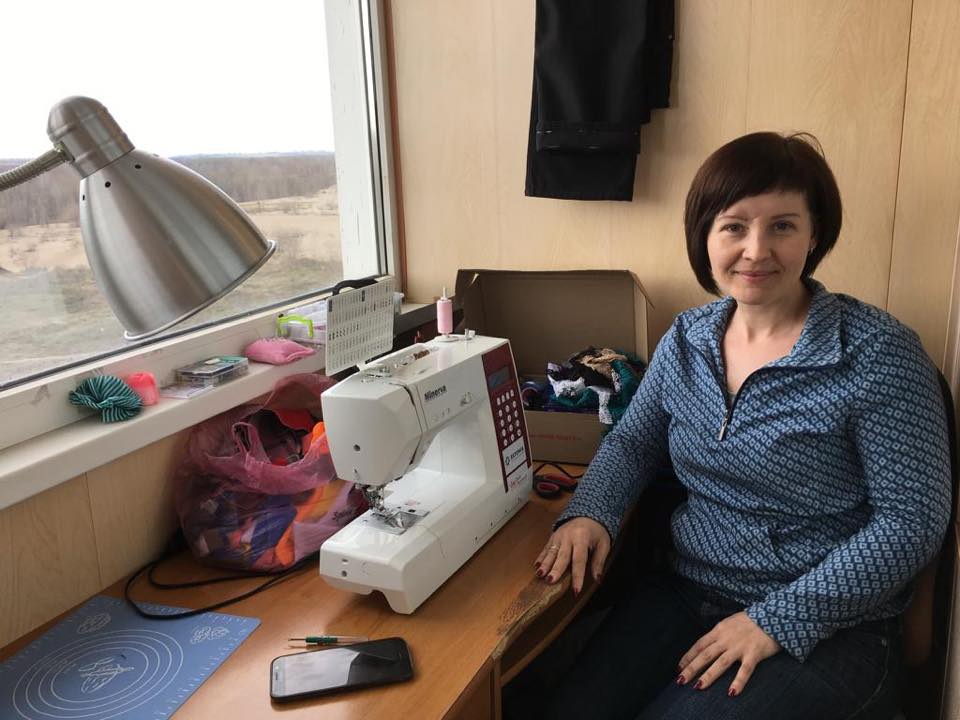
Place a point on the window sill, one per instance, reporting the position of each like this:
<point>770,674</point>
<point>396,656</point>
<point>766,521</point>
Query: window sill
<point>34,465</point>
<point>52,457</point>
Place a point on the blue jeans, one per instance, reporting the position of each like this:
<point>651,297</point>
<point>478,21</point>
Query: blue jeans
<point>622,663</point>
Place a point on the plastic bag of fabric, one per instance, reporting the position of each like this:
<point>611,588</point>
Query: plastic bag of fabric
<point>257,489</point>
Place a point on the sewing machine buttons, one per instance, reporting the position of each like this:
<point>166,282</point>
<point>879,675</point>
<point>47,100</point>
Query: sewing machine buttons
<point>508,422</point>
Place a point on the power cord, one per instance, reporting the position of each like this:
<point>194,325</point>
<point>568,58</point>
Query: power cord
<point>177,544</point>
<point>557,467</point>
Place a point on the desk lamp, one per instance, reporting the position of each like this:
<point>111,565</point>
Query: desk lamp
<point>163,242</point>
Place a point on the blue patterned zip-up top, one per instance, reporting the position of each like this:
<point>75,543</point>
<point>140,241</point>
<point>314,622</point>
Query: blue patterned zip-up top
<point>816,493</point>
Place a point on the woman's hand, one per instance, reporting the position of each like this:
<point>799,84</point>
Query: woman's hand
<point>571,546</point>
<point>734,639</point>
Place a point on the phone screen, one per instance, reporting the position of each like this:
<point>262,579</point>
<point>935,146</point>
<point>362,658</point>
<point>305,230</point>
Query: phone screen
<point>340,668</point>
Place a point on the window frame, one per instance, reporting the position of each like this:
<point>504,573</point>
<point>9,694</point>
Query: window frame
<point>359,86</point>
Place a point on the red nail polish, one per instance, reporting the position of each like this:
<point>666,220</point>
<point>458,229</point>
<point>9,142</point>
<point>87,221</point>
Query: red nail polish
<point>681,680</point>
<point>732,693</point>
<point>539,572</point>
<point>679,669</point>
<point>549,578</point>
<point>699,685</point>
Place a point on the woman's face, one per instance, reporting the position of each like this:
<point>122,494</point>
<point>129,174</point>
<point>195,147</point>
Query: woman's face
<point>759,245</point>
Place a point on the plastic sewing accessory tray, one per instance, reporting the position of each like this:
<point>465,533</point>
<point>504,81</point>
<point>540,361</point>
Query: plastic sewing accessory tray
<point>359,325</point>
<point>214,371</point>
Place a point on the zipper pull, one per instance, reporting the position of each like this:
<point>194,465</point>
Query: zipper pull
<point>723,427</point>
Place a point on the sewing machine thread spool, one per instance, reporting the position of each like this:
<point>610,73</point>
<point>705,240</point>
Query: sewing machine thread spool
<point>444,314</point>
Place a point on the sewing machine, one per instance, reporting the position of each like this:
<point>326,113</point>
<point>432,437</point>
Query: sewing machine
<point>434,434</point>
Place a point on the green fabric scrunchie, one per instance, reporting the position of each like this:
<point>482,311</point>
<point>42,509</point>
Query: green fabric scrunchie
<point>108,394</point>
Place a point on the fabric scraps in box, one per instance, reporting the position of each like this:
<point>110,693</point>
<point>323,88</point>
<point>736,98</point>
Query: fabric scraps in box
<point>593,380</point>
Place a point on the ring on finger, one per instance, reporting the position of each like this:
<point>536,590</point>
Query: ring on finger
<point>553,547</point>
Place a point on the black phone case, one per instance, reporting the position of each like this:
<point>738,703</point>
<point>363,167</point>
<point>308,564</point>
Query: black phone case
<point>407,675</point>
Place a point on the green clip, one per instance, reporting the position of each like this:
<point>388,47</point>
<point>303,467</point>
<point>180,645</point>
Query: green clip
<point>300,319</point>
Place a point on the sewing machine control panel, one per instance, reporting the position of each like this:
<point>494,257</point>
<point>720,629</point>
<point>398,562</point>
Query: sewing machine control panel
<point>508,415</point>
<point>508,421</point>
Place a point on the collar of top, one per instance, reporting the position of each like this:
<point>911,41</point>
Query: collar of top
<point>819,345</point>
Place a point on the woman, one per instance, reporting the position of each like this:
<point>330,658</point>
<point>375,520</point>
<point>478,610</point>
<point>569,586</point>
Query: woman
<point>809,431</point>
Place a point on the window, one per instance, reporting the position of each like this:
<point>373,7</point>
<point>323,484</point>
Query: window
<point>239,91</point>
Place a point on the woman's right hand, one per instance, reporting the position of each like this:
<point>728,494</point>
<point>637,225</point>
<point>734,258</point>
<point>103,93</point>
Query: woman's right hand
<point>571,546</point>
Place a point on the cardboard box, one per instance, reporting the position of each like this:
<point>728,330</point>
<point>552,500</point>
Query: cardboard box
<point>548,316</point>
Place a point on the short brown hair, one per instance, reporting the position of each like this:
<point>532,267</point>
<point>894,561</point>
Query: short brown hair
<point>752,165</point>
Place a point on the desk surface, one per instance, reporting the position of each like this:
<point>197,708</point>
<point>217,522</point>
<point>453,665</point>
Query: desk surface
<point>455,637</point>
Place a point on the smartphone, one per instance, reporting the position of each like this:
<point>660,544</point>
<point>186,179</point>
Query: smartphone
<point>319,672</point>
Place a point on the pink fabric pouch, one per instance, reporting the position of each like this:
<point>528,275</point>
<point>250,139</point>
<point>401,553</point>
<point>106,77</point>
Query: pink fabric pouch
<point>275,351</point>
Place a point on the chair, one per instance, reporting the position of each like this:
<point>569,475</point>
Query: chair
<point>926,622</point>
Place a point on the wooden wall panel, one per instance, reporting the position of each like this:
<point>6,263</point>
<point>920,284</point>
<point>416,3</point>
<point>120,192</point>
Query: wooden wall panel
<point>928,200</point>
<point>456,95</point>
<point>131,500</point>
<point>708,108</point>
<point>836,69</point>
<point>48,561</point>
<point>68,542</point>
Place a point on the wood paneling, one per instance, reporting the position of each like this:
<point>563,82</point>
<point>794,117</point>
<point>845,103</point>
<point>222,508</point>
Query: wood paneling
<point>49,558</point>
<point>928,199</point>
<point>463,75</point>
<point>131,500</point>
<point>65,544</point>
<point>838,70</point>
<point>457,95</point>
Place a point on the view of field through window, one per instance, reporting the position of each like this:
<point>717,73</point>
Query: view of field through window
<point>244,100</point>
<point>53,312</point>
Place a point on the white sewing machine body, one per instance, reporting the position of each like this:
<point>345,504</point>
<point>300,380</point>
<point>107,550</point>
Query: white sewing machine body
<point>437,431</point>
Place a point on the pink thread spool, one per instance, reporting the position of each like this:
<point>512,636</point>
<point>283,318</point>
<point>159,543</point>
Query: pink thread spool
<point>444,314</point>
<point>144,385</point>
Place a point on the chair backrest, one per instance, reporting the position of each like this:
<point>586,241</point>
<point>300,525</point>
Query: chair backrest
<point>926,623</point>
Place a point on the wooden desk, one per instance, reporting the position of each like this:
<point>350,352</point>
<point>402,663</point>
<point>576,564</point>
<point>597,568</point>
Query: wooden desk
<point>480,628</point>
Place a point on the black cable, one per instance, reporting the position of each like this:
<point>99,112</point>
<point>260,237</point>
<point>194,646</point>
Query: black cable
<point>275,577</point>
<point>197,583</point>
<point>558,467</point>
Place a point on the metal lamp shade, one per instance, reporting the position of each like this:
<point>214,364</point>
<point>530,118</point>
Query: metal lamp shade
<point>163,242</point>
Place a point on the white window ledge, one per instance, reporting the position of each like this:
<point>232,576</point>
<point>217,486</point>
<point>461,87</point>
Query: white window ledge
<point>34,465</point>
<point>72,447</point>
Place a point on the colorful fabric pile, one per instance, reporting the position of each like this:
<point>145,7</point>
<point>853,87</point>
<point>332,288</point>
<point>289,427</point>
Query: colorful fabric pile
<point>594,380</point>
<point>257,489</point>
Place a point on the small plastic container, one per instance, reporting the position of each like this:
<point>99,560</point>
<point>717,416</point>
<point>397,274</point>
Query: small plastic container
<point>306,325</point>
<point>214,371</point>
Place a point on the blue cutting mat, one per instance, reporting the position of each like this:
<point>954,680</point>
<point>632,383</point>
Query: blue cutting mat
<point>105,661</point>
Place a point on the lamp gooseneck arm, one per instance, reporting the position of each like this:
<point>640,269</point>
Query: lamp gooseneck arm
<point>30,170</point>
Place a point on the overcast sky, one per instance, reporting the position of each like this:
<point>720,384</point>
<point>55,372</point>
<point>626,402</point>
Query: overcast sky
<point>204,76</point>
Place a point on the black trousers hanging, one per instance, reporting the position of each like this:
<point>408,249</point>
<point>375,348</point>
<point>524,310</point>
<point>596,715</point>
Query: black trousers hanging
<point>599,68</point>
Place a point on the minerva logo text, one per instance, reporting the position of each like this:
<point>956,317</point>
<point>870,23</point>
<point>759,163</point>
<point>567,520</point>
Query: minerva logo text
<point>431,394</point>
